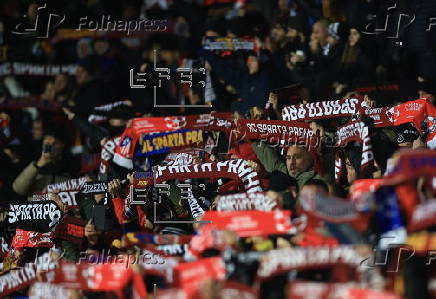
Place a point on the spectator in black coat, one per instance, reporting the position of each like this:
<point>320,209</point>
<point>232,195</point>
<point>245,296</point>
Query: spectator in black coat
<point>252,84</point>
<point>90,91</point>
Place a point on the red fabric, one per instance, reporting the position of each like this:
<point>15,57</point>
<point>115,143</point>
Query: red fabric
<point>119,209</point>
<point>408,197</point>
<point>312,238</point>
<point>25,238</point>
<point>250,223</point>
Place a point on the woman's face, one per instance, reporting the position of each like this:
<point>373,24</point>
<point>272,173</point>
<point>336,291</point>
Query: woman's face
<point>354,37</point>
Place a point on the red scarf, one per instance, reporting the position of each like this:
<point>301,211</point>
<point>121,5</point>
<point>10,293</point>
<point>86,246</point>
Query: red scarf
<point>250,223</point>
<point>277,132</point>
<point>233,169</point>
<point>354,131</point>
<point>320,110</point>
<point>25,238</point>
<point>284,260</point>
<point>247,201</point>
<point>350,290</point>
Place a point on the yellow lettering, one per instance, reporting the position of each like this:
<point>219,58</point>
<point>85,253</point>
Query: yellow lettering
<point>149,146</point>
<point>188,137</point>
<point>170,140</point>
<point>181,141</point>
<point>157,143</point>
<point>194,137</point>
<point>200,136</point>
<point>165,142</point>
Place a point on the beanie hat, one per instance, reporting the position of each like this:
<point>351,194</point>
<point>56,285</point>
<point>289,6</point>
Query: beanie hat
<point>279,181</point>
<point>339,31</point>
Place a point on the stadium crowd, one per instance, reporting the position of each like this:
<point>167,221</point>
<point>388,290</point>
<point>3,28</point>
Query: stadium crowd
<point>217,149</point>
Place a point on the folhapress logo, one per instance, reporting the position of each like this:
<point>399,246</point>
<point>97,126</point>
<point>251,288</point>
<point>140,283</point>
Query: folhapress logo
<point>54,20</point>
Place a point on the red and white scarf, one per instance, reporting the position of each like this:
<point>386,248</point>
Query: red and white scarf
<point>237,169</point>
<point>320,110</point>
<point>247,201</point>
<point>284,260</point>
<point>277,132</point>
<point>24,238</point>
<point>355,131</point>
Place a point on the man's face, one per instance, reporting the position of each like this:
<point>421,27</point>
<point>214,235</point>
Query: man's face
<point>298,160</point>
<point>278,33</point>
<point>319,32</point>
<point>252,64</point>
<point>57,146</point>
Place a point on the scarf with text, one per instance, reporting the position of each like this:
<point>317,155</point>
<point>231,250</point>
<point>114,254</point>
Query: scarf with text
<point>288,259</point>
<point>327,208</point>
<point>350,290</point>
<point>160,143</point>
<point>66,191</point>
<point>189,276</point>
<point>278,133</point>
<point>355,131</point>
<point>229,44</point>
<point>25,238</point>
<point>31,69</point>
<point>247,201</point>
<point>320,110</point>
<point>98,277</point>
<point>417,112</point>
<point>30,101</point>
<point>187,157</point>
<point>126,146</point>
<point>250,223</point>
<point>237,169</point>
<point>38,216</point>
<point>18,279</point>
<point>94,188</point>
<point>98,118</point>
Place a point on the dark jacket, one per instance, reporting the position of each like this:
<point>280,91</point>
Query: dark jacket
<point>253,89</point>
<point>271,161</point>
<point>88,96</point>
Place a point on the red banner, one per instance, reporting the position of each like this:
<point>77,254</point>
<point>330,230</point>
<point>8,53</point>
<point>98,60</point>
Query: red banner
<point>97,277</point>
<point>247,201</point>
<point>250,223</point>
<point>25,238</point>
<point>320,290</point>
<point>189,276</point>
